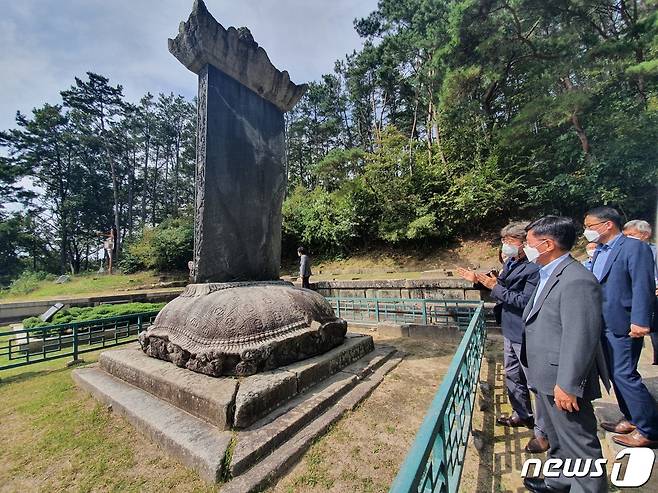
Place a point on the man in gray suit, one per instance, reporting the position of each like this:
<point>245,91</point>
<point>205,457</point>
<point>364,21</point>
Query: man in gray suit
<point>562,349</point>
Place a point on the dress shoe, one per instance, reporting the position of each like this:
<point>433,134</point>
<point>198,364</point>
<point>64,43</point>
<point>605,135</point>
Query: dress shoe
<point>515,422</point>
<point>622,427</point>
<point>635,439</point>
<point>538,485</point>
<point>537,445</point>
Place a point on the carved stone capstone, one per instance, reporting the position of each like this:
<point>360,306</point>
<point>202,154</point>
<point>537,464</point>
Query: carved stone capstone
<point>243,328</point>
<point>202,41</point>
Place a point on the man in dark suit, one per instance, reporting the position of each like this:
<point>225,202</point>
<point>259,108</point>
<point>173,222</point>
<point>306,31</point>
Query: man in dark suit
<point>304,267</point>
<point>512,290</point>
<point>562,349</point>
<point>624,267</point>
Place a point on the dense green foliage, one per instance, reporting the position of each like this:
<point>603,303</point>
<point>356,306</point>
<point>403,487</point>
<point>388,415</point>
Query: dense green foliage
<point>167,247</point>
<point>76,314</point>
<point>455,116</point>
<point>28,281</point>
<point>459,114</point>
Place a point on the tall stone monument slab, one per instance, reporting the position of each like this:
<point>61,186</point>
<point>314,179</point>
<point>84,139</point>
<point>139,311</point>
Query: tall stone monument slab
<point>238,318</point>
<point>241,165</point>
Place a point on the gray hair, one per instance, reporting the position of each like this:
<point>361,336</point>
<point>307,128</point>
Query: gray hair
<point>515,230</point>
<point>638,224</point>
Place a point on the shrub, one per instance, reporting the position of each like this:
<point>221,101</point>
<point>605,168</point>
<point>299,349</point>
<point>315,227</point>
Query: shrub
<point>166,247</point>
<point>77,314</point>
<point>28,281</point>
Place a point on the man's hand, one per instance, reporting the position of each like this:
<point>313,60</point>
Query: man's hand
<point>487,280</point>
<point>565,401</point>
<point>469,275</point>
<point>638,331</point>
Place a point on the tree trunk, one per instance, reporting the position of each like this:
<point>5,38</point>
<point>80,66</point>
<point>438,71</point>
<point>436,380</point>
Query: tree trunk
<point>131,185</point>
<point>146,181</point>
<point>575,121</point>
<point>154,186</point>
<point>176,171</point>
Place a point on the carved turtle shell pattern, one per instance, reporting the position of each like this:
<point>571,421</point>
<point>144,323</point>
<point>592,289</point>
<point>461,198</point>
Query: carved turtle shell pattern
<point>212,317</point>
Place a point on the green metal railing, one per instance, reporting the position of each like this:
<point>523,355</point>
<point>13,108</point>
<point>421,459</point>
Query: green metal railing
<point>435,461</point>
<point>405,311</point>
<point>28,346</point>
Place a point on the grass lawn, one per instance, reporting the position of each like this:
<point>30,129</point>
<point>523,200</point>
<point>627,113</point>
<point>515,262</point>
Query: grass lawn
<point>84,284</point>
<point>57,438</point>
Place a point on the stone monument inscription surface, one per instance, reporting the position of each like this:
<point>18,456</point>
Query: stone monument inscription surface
<point>240,184</point>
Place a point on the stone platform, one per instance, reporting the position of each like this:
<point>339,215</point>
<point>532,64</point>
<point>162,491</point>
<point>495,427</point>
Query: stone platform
<point>250,429</point>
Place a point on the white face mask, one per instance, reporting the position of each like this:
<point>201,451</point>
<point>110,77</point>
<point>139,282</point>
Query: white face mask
<point>634,237</point>
<point>532,253</point>
<point>591,235</point>
<point>510,250</point>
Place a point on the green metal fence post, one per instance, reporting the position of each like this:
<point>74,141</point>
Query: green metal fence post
<point>76,360</point>
<point>424,312</point>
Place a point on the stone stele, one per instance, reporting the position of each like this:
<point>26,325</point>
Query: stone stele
<point>238,318</point>
<point>241,162</point>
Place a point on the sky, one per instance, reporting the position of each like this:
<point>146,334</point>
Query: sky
<point>46,43</point>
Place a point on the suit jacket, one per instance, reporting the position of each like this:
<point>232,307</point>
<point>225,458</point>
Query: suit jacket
<point>562,343</point>
<point>512,292</point>
<point>629,287</point>
<point>305,266</point>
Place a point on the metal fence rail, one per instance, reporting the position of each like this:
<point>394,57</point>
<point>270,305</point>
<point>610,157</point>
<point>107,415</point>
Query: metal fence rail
<point>405,311</point>
<point>435,461</point>
<point>28,346</point>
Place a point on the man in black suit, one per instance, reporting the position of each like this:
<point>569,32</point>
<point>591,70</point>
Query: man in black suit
<point>562,349</point>
<point>512,290</point>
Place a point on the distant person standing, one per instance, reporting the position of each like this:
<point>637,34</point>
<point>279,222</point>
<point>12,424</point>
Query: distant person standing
<point>304,267</point>
<point>641,230</point>
<point>624,268</point>
<point>590,249</point>
<point>512,290</point>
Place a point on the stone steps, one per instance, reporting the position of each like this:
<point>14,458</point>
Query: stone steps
<point>275,465</point>
<point>229,402</point>
<point>265,435</point>
<point>208,398</point>
<point>196,443</point>
<point>254,456</point>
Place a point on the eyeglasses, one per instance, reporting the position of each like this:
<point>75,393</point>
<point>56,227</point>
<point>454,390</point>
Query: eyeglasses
<point>525,243</point>
<point>588,226</point>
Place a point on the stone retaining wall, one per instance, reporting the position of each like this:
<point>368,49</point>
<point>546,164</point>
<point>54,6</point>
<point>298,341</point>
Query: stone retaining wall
<point>448,288</point>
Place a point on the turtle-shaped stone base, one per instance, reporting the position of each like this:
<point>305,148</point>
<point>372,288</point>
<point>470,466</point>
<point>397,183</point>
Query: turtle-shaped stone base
<point>243,328</point>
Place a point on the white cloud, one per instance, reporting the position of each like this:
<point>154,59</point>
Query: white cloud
<point>45,43</point>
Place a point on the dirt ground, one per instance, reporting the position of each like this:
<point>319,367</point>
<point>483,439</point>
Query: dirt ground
<point>406,263</point>
<point>364,450</point>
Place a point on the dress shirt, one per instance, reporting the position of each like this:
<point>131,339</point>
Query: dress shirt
<point>545,272</point>
<point>604,250</point>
